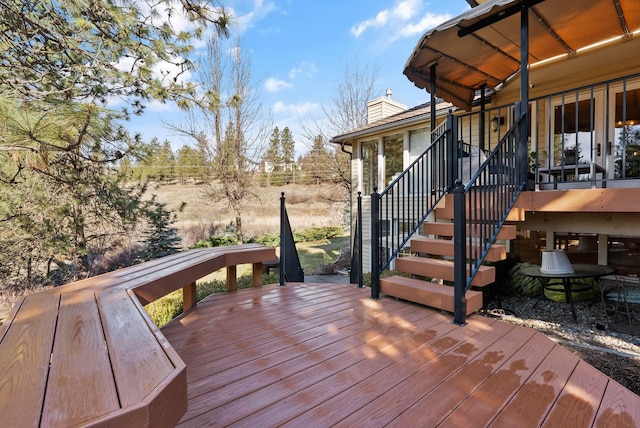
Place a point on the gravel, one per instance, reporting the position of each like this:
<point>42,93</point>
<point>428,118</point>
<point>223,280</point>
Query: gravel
<point>607,340</point>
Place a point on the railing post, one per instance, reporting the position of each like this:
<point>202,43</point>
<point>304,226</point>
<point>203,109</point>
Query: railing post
<point>283,255</point>
<point>452,150</point>
<point>375,244</point>
<point>459,254</point>
<point>356,258</point>
<point>521,149</point>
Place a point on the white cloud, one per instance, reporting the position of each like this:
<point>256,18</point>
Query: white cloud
<point>404,19</point>
<point>406,9</point>
<point>427,22</point>
<point>275,85</point>
<point>402,11</point>
<point>380,20</point>
<point>259,11</point>
<point>294,109</point>
<point>307,69</point>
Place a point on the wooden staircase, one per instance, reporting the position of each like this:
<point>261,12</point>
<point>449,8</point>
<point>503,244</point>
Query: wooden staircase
<point>432,257</point>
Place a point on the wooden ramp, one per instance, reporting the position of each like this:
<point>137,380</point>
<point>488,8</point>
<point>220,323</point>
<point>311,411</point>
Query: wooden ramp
<point>326,354</point>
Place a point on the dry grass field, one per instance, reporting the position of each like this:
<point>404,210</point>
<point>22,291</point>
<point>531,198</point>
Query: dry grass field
<point>307,206</point>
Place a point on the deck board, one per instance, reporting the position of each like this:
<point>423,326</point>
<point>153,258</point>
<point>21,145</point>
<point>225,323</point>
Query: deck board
<point>326,354</point>
<point>500,387</point>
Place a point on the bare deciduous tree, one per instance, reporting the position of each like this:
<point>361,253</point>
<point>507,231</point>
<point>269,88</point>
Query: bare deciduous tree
<point>228,126</point>
<point>348,108</point>
<point>347,111</point>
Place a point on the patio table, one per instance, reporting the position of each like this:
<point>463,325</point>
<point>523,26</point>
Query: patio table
<point>566,280</point>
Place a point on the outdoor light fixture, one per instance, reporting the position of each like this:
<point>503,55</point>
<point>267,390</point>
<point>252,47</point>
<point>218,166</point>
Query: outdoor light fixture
<point>496,122</point>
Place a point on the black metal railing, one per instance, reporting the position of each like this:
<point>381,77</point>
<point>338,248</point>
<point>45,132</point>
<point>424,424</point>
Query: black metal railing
<point>481,206</point>
<point>355,275</point>
<point>586,136</point>
<point>408,200</point>
<point>290,267</point>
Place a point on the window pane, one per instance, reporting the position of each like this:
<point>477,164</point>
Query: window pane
<point>393,148</point>
<point>573,136</point>
<point>418,142</point>
<point>627,134</point>
<point>369,166</point>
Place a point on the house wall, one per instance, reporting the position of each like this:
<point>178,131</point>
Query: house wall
<point>383,107</point>
<point>606,220</point>
<point>356,180</point>
<point>587,67</point>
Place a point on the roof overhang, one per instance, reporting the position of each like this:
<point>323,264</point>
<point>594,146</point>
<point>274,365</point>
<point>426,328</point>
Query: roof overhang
<point>416,115</point>
<point>482,46</point>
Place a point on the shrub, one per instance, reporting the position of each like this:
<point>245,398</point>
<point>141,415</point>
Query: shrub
<point>294,198</point>
<point>308,235</point>
<point>317,233</point>
<point>268,239</point>
<point>216,241</point>
<point>170,306</point>
<point>520,284</point>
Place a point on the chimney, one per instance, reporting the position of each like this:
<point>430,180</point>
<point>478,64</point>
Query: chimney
<point>382,107</point>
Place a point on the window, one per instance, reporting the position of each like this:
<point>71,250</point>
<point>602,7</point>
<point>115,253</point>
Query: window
<point>419,140</point>
<point>627,134</point>
<point>393,149</point>
<point>369,155</point>
<point>573,132</point>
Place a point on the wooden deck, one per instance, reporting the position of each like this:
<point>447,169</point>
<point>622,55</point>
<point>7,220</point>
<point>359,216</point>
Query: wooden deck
<point>308,355</point>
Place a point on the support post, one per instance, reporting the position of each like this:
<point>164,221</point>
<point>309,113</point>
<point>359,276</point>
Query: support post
<point>283,255</point>
<point>188,297</point>
<point>524,91</point>
<point>256,274</point>
<point>459,254</point>
<point>356,254</point>
<point>452,150</point>
<point>483,88</point>
<point>432,92</point>
<point>232,278</point>
<point>375,244</point>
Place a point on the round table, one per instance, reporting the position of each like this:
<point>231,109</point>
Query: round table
<point>580,271</point>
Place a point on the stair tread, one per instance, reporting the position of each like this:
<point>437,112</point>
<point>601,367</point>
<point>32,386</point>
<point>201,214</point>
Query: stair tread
<point>442,269</point>
<point>444,247</point>
<point>507,231</point>
<point>428,293</point>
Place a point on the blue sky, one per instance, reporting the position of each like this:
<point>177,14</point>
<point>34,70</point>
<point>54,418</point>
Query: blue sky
<point>299,48</point>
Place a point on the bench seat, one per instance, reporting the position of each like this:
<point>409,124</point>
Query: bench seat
<point>88,354</point>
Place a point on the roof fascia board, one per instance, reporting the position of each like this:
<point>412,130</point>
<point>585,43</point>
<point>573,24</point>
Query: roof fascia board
<point>421,118</point>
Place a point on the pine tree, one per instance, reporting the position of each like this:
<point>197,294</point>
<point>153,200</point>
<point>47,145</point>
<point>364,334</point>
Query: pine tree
<point>288,152</point>
<point>273,160</point>
<point>273,156</point>
<point>161,239</point>
<point>62,62</point>
<point>315,161</point>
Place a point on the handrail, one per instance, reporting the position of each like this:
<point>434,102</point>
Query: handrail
<point>411,196</point>
<point>490,194</point>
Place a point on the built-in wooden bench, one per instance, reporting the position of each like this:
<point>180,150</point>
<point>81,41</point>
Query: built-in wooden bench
<point>87,353</point>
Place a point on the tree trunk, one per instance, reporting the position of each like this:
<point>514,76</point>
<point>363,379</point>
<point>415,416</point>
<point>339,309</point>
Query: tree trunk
<point>239,227</point>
